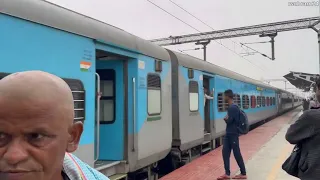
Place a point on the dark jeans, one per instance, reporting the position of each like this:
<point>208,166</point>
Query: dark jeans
<point>231,142</point>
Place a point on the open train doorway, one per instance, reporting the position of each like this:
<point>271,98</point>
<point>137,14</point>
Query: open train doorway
<point>111,110</point>
<point>207,91</point>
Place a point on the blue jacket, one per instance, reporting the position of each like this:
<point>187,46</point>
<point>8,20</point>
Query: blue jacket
<point>233,120</point>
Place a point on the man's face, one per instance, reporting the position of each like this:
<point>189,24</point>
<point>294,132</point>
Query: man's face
<point>33,140</point>
<point>226,99</point>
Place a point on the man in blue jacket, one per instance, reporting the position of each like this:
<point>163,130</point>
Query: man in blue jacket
<point>231,140</point>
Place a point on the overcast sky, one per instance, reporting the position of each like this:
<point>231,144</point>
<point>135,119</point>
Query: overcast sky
<point>295,51</point>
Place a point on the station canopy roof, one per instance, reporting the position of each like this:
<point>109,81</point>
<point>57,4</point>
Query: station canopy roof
<point>301,80</point>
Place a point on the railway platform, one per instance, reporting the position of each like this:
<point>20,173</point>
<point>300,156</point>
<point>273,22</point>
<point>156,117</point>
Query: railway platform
<point>264,149</point>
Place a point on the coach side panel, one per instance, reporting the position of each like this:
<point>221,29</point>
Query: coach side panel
<point>30,46</point>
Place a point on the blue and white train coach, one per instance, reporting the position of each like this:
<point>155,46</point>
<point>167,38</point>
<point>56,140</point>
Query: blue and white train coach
<point>133,129</point>
<point>151,105</point>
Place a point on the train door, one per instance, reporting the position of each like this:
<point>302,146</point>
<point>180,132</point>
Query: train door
<point>111,124</point>
<point>206,85</point>
<point>212,104</point>
<point>279,102</point>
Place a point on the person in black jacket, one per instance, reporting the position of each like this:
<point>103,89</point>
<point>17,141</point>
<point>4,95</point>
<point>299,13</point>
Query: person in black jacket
<point>231,139</point>
<point>306,131</point>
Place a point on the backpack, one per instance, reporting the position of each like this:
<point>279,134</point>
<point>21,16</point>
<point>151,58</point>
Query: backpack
<point>243,124</point>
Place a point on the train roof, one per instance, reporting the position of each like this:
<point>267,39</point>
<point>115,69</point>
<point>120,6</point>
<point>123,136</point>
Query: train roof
<point>46,13</point>
<point>49,14</point>
<point>195,63</point>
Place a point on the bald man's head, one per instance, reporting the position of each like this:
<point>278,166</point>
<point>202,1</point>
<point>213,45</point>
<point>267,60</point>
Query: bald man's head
<point>36,124</point>
<point>39,88</point>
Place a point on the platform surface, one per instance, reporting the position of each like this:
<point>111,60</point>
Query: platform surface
<point>266,163</point>
<point>264,149</point>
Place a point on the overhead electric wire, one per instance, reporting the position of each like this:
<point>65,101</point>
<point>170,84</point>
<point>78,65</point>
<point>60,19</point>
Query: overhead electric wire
<point>201,32</point>
<point>191,14</point>
<point>257,51</point>
<point>261,42</point>
<point>214,29</point>
<point>173,16</point>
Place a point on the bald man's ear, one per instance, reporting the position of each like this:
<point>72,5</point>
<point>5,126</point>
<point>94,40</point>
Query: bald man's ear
<point>74,136</point>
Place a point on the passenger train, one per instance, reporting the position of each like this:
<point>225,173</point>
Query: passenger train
<point>151,106</point>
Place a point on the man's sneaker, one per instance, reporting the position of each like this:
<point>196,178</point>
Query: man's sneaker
<point>240,176</point>
<point>224,177</point>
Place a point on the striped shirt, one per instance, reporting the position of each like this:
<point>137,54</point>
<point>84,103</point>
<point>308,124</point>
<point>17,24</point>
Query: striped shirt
<point>75,169</point>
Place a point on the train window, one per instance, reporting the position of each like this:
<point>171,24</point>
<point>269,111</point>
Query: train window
<point>267,101</point>
<point>78,93</point>
<point>237,99</point>
<point>222,105</point>
<point>220,102</point>
<point>273,101</point>
<point>193,96</point>
<point>258,101</point>
<point>270,101</point>
<point>107,101</point>
<point>108,95</point>
<point>154,94</point>
<point>245,102</point>
<point>253,102</point>
<point>263,101</point>
<point>287,100</point>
